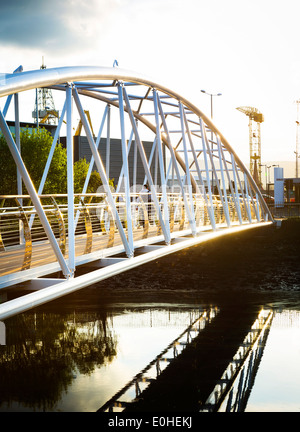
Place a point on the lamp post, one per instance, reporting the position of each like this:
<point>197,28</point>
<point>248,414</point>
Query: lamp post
<point>211,115</point>
<point>297,137</point>
<point>268,168</point>
<point>274,176</point>
<point>211,100</point>
<point>272,167</point>
<point>262,165</point>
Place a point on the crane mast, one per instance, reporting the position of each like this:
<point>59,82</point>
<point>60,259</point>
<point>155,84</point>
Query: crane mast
<point>44,110</point>
<point>255,120</point>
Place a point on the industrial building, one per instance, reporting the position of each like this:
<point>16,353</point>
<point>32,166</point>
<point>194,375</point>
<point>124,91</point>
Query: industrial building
<point>113,168</point>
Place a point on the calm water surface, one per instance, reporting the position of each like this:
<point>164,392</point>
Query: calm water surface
<point>277,384</point>
<point>78,361</point>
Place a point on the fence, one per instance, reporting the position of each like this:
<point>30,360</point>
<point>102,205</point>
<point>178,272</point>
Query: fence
<point>287,210</point>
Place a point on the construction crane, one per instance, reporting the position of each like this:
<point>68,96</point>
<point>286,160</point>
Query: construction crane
<point>255,119</point>
<point>79,127</point>
<point>44,109</point>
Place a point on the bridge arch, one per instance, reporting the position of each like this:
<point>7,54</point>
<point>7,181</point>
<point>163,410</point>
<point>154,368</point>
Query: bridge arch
<point>53,78</point>
<point>197,181</point>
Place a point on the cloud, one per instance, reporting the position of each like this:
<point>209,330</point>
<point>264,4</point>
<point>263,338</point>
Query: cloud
<point>55,24</point>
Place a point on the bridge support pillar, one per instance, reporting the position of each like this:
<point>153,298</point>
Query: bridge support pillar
<point>70,184</point>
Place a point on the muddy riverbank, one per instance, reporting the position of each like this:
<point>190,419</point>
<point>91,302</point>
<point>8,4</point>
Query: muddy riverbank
<point>261,264</point>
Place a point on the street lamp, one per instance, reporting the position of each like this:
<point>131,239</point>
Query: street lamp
<point>268,168</point>
<point>297,156</point>
<point>211,115</point>
<point>262,165</point>
<point>211,100</point>
<point>297,137</point>
<point>274,172</point>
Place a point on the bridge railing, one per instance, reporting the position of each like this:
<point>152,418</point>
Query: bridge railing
<point>24,243</point>
<point>286,210</point>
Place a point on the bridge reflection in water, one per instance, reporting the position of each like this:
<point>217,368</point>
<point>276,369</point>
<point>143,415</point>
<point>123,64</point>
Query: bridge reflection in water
<point>133,389</point>
<point>58,362</point>
<point>76,361</point>
<point>232,391</point>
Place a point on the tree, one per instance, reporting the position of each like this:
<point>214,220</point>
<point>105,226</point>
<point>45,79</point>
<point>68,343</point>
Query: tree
<point>35,147</point>
<point>80,172</point>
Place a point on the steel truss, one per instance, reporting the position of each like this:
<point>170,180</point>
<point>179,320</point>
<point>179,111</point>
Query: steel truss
<point>197,182</point>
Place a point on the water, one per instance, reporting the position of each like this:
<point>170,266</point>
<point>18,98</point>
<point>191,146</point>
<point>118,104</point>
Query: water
<point>76,353</point>
<point>76,360</point>
<point>277,384</point>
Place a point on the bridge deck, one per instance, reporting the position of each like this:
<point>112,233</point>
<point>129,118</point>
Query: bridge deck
<point>42,253</point>
<point>27,252</point>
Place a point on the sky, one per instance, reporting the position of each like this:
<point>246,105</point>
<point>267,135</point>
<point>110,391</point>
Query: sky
<point>247,50</point>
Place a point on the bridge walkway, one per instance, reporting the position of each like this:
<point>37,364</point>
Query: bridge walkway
<point>26,252</point>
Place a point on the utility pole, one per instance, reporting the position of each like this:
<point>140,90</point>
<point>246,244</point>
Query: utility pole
<point>297,138</point>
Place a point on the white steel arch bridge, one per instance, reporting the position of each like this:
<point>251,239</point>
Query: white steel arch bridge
<point>204,190</point>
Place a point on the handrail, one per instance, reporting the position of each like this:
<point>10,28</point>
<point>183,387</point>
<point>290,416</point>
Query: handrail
<point>95,227</point>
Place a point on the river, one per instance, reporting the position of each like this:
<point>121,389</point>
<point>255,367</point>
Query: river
<point>76,353</point>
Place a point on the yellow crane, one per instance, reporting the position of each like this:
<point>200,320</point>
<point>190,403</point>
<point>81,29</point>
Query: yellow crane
<point>255,120</point>
<point>50,113</point>
<point>79,127</point>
